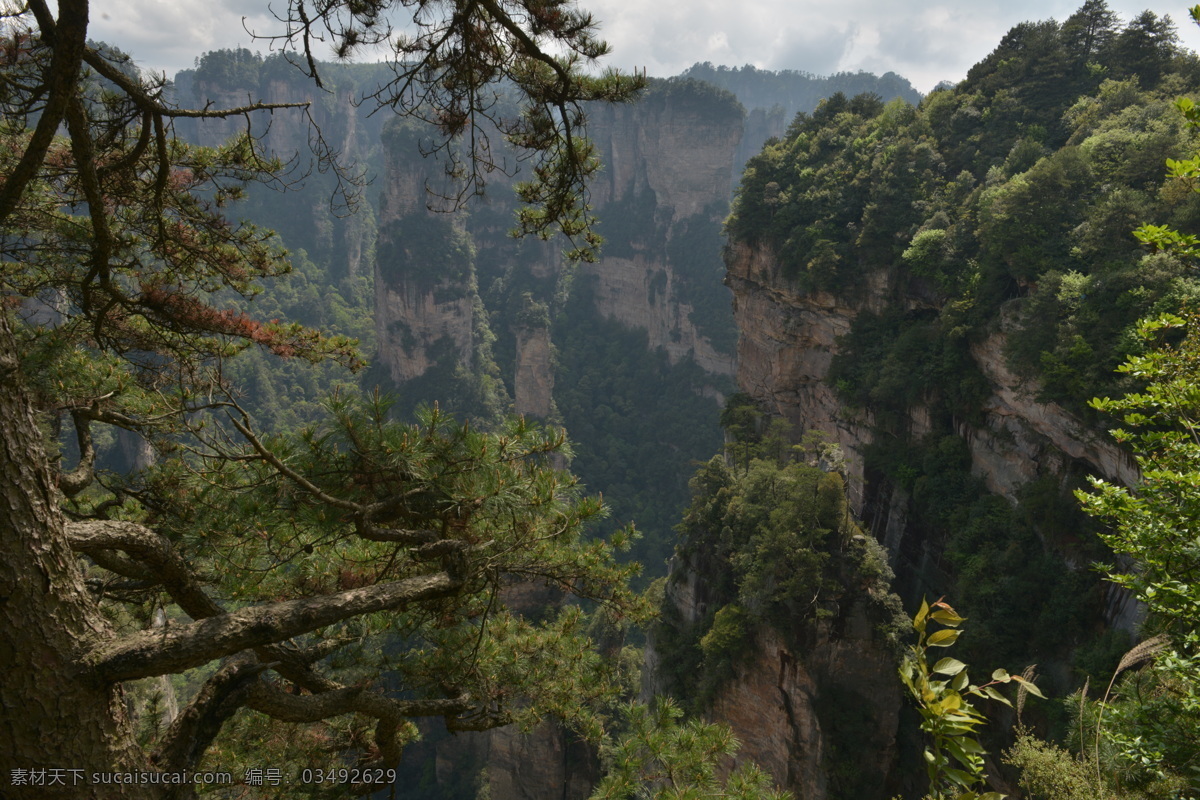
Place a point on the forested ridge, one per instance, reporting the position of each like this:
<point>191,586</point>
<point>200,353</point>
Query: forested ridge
<point>1007,203</point>
<point>1024,181</point>
<point>989,254</point>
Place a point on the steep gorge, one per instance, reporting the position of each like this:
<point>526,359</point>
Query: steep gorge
<point>661,200</point>
<point>471,319</point>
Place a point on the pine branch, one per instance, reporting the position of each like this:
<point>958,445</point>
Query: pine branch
<point>194,729</point>
<point>174,649</point>
<point>68,40</point>
<point>152,552</point>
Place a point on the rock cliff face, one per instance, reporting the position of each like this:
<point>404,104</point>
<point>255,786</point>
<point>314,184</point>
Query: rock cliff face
<point>330,122</point>
<point>786,343</point>
<point>425,278</point>
<point>534,378</point>
<point>784,708</point>
<point>626,290</point>
<point>816,707</point>
<point>789,338</point>
<point>1020,434</point>
<point>680,143</point>
<point>413,323</point>
<point>669,163</point>
<point>670,160</point>
<point>547,763</point>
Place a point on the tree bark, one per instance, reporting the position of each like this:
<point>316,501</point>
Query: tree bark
<point>181,647</point>
<point>52,715</point>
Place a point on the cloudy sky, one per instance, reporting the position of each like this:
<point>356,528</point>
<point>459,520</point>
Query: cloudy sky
<point>926,42</point>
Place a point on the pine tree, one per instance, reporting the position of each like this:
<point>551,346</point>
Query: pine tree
<point>295,571</point>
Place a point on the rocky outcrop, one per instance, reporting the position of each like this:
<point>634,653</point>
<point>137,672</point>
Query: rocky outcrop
<point>669,164</point>
<point>1022,435</point>
<point>548,763</point>
<point>415,325</point>
<point>794,711</point>
<point>670,161</point>
<point>533,381</point>
<point>679,143</point>
<point>425,285</point>
<point>789,338</point>
<point>638,293</point>
<point>786,343</point>
<point>816,707</point>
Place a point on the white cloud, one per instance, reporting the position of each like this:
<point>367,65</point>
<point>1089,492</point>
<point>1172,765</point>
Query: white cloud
<point>924,41</point>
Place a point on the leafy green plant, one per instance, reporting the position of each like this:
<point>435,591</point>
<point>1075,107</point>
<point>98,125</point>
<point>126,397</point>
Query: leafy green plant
<point>954,758</point>
<point>1143,739</point>
<point>1153,731</point>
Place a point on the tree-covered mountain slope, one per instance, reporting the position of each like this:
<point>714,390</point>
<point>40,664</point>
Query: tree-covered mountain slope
<point>941,288</point>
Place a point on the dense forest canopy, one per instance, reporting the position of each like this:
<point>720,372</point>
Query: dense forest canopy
<point>1024,181</point>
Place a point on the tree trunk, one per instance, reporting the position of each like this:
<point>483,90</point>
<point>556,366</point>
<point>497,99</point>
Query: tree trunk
<point>54,717</point>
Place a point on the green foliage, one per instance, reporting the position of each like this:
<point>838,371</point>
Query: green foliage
<point>428,250</point>
<point>928,255</point>
<point>1155,520</point>
<point>660,758</point>
<point>1149,734</point>
<point>1033,168</point>
<point>360,549</point>
<point>639,422</point>
<point>777,547</point>
<point>776,526</point>
<point>1137,742</point>
<point>1144,739</point>
<point>799,194</point>
<point>954,758</point>
<point>1049,771</point>
<point>898,360</point>
<point>514,517</point>
<point>1003,562</point>
<point>1151,738</point>
<point>729,636</point>
<point>229,68</point>
<point>1025,222</point>
<point>705,100</point>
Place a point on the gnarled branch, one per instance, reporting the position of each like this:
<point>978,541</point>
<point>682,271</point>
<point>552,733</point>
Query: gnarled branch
<point>219,698</point>
<point>98,538</point>
<point>68,38</point>
<point>73,482</point>
<point>174,649</point>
